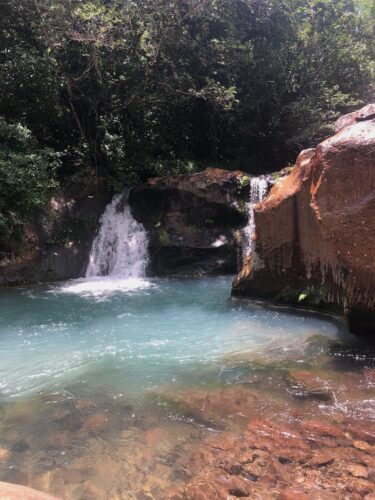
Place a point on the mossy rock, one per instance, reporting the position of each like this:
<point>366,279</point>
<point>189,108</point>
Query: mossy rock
<point>164,238</point>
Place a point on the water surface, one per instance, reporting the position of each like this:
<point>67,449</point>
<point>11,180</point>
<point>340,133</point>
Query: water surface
<point>103,373</point>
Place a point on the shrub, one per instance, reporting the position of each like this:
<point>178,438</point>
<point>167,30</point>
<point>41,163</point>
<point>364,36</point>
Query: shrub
<point>27,175</point>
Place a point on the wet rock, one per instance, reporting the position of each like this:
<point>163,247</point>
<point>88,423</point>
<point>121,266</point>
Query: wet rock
<point>365,113</point>
<point>71,476</point>
<point>281,440</point>
<point>4,454</point>
<point>315,494</point>
<point>192,221</point>
<point>213,407</point>
<point>292,494</point>
<point>10,491</point>
<point>171,495</point>
<point>307,385</point>
<point>83,404</point>
<point>357,470</point>
<point>237,486</point>
<point>71,422</point>
<point>312,459</point>
<point>145,495</point>
<point>59,439</point>
<point>322,458</point>
<point>20,447</point>
<point>359,432</point>
<point>47,463</point>
<point>362,445</point>
<point>369,378</point>
<point>204,490</point>
<point>309,226</point>
<point>97,422</point>
<point>323,429</point>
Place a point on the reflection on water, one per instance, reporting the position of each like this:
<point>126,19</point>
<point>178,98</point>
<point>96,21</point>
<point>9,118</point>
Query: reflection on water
<point>129,389</point>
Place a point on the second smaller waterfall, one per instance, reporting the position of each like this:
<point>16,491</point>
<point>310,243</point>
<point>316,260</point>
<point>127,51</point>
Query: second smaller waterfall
<point>121,247</point>
<point>258,190</point>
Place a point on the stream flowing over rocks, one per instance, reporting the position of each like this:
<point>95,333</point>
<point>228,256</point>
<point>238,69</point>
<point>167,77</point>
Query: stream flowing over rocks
<point>315,232</point>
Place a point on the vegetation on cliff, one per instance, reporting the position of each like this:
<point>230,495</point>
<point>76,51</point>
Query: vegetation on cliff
<point>27,174</point>
<point>134,89</point>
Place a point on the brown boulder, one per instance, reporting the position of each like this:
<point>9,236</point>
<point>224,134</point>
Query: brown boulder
<point>193,220</point>
<point>315,232</point>
<point>292,494</point>
<point>9,491</point>
<point>365,113</point>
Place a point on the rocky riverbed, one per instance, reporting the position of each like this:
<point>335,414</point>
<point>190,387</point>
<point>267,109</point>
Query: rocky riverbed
<point>298,426</point>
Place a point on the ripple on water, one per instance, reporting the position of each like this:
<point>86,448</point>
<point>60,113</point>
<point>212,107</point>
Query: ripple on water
<point>111,386</point>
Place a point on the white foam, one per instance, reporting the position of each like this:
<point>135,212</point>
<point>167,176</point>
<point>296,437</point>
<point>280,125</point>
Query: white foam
<point>120,249</point>
<point>103,286</point>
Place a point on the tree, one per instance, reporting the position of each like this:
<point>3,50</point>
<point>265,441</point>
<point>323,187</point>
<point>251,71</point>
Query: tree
<point>27,176</point>
<point>149,87</point>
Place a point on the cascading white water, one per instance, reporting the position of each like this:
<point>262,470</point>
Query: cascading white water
<point>121,247</point>
<point>258,191</point>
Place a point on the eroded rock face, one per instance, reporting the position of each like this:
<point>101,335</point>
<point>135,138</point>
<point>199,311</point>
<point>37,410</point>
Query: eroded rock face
<point>315,232</point>
<point>57,244</point>
<point>193,221</point>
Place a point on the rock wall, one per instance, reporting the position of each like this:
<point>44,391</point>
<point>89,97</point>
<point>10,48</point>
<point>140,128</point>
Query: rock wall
<point>315,232</point>
<point>57,244</point>
<point>193,221</point>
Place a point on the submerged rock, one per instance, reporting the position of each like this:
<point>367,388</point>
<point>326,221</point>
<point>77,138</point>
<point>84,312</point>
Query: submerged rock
<point>315,232</point>
<point>10,491</point>
<point>284,460</point>
<point>308,385</point>
<point>193,221</point>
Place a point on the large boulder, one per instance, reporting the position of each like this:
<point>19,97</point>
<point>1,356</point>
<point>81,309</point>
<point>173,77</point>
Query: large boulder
<point>193,221</point>
<point>57,242</point>
<point>9,491</point>
<point>315,232</point>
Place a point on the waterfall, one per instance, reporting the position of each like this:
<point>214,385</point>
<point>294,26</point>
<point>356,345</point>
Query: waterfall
<point>120,248</point>
<point>258,190</point>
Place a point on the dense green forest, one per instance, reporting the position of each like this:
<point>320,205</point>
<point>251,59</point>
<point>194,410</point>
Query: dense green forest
<point>129,89</point>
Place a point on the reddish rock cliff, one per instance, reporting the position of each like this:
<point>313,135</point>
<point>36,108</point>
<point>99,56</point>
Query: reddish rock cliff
<point>315,232</point>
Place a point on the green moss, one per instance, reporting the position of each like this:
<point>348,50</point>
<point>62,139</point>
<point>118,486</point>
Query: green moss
<point>191,230</point>
<point>242,206</point>
<point>310,296</point>
<point>164,238</point>
<point>243,182</point>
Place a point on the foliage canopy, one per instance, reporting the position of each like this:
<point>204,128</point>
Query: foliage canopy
<point>129,89</point>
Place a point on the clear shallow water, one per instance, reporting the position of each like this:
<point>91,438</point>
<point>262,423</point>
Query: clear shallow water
<point>131,335</point>
<point>108,387</point>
